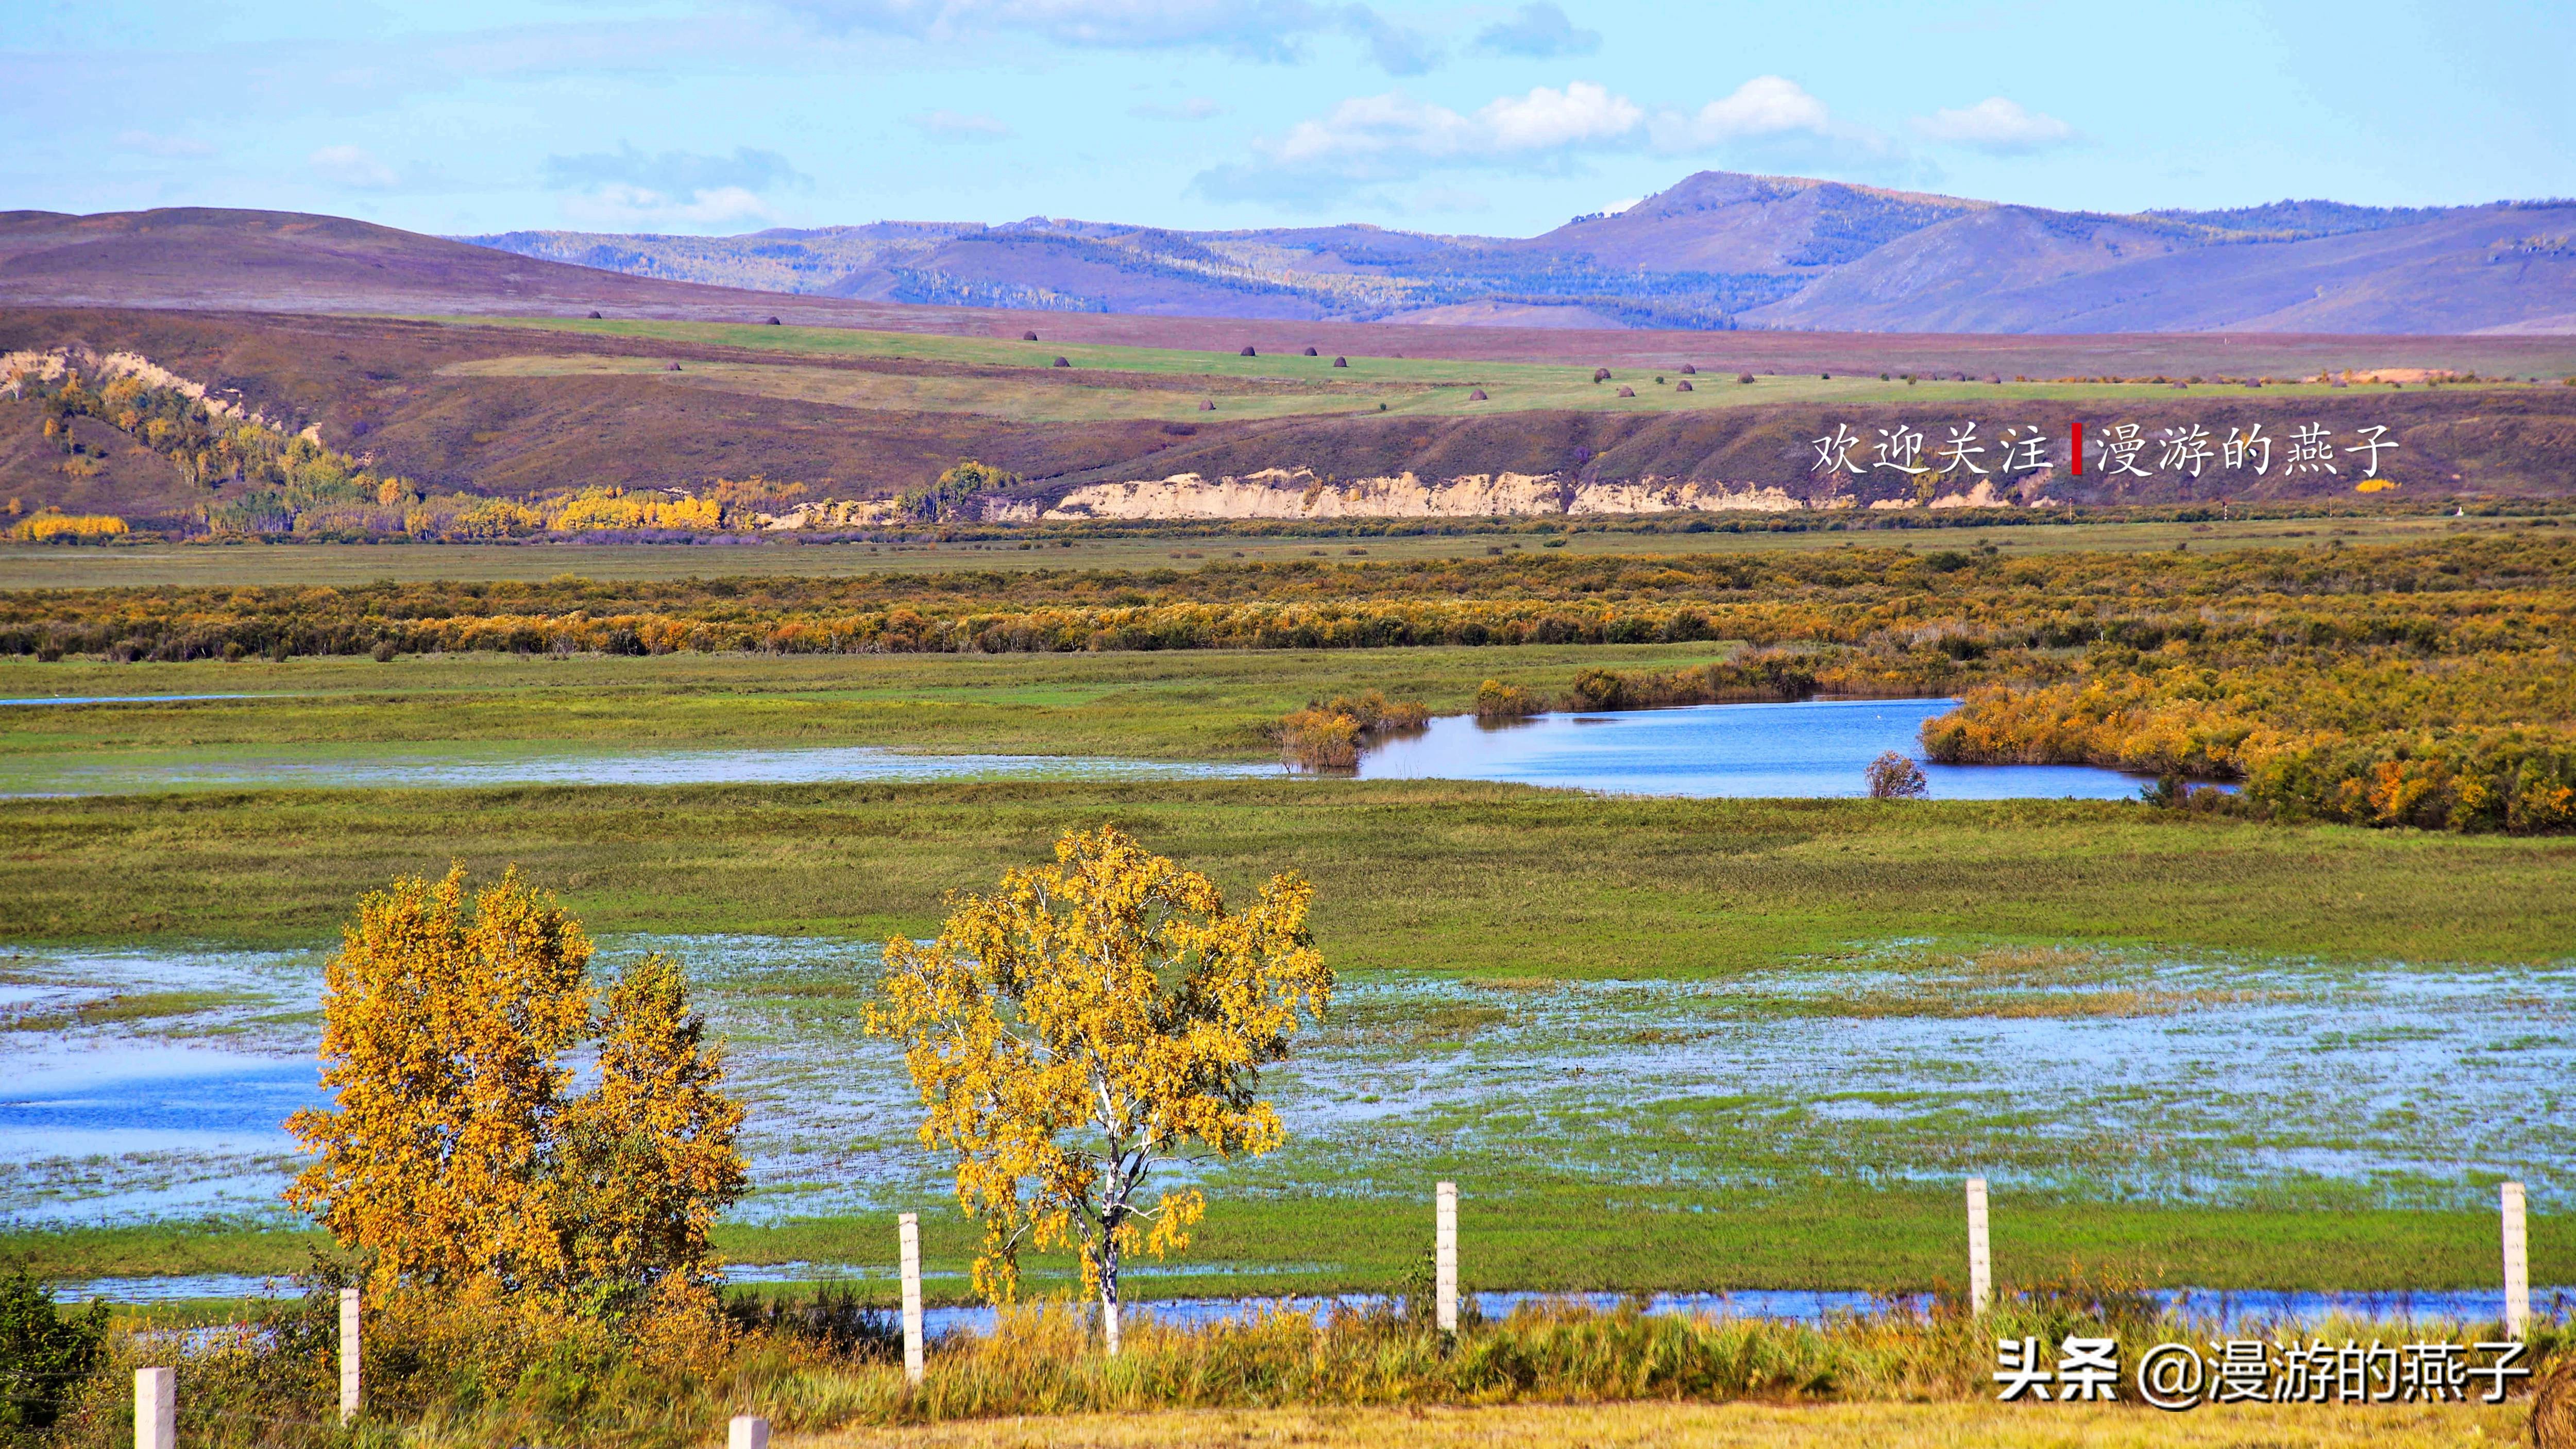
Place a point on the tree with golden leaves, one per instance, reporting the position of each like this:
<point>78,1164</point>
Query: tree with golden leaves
<point>456,1153</point>
<point>648,1156</point>
<point>1086,1024</point>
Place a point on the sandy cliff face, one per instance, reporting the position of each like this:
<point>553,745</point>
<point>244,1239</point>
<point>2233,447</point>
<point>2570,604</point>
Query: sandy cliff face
<point>1300,494</point>
<point>47,366</point>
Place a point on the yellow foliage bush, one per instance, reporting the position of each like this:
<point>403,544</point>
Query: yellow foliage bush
<point>51,527</point>
<point>598,508</point>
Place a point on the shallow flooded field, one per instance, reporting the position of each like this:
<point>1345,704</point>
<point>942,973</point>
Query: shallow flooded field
<point>1807,749</point>
<point>144,1084</point>
<point>1816,747</point>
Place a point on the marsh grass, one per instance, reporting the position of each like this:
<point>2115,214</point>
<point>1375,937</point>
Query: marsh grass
<point>1199,705</point>
<point>1485,881</point>
<point>1935,1002</point>
<point>127,1007</point>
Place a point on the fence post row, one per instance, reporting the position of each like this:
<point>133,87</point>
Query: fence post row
<point>349,1388</point>
<point>908,1235</point>
<point>1444,1257</point>
<point>156,1408</point>
<point>2517,1266</point>
<point>747,1431</point>
<point>1981,1263</point>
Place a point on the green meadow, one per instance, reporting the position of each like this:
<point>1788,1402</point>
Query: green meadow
<point>1271,384</point>
<point>1663,1043</point>
<point>1181,705</point>
<point>1420,876</point>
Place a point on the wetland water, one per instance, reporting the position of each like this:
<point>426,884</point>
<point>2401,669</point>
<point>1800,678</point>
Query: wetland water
<point>139,1085</point>
<point>2238,1309</point>
<point>1809,748</point>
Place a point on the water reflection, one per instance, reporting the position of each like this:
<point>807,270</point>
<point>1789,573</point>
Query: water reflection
<point>1816,747</point>
<point>469,766</point>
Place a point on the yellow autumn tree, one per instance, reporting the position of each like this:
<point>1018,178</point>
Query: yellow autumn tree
<point>456,1155</point>
<point>648,1156</point>
<point>1089,1023</point>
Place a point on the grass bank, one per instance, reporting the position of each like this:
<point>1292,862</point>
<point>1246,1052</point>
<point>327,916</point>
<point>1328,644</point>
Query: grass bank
<point>1411,875</point>
<point>1192,705</point>
<point>1566,1237</point>
<point>456,1372</point>
<point>1717,1426</point>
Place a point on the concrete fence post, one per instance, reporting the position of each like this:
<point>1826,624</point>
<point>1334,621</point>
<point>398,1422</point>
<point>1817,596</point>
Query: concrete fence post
<point>908,1236</point>
<point>1444,1257</point>
<point>156,1408</point>
<point>2517,1266</point>
<point>349,1355</point>
<point>747,1431</point>
<point>1981,1263</point>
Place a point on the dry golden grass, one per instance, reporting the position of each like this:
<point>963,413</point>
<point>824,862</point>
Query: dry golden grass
<point>1719,1426</point>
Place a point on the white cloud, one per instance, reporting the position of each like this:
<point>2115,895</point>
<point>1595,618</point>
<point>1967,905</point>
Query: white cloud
<point>959,126</point>
<point>1196,108</point>
<point>1271,30</point>
<point>623,206</point>
<point>1539,31</point>
<point>629,189</point>
<point>1581,114</point>
<point>674,173</point>
<point>1616,207</point>
<point>1996,126</point>
<point>151,144</point>
<point>352,167</point>
<point>1373,140</point>
<point>1393,136</point>
<point>1765,106</point>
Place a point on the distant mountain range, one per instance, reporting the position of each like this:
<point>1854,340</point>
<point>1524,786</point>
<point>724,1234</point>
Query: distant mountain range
<point>1719,250</point>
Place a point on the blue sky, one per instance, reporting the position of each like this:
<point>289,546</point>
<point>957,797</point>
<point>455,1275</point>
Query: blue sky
<point>1504,119</point>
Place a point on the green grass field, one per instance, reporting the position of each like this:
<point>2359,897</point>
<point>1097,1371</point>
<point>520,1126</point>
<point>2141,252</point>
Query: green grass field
<point>1298,384</point>
<point>1412,876</point>
<point>1571,1237</point>
<point>1105,385</point>
<point>1187,705</point>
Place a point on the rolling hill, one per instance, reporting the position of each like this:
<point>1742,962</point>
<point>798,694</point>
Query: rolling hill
<point>470,372</point>
<point>1719,250</point>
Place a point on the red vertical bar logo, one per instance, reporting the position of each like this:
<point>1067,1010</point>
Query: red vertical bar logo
<point>2079,450</point>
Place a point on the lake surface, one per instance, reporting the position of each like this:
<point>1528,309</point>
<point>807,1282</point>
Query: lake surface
<point>1818,747</point>
<point>469,766</point>
<point>1810,748</point>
